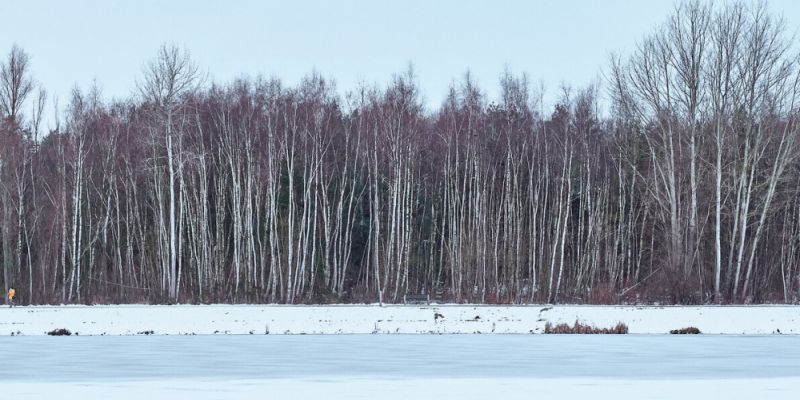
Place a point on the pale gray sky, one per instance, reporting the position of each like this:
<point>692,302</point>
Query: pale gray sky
<point>553,41</point>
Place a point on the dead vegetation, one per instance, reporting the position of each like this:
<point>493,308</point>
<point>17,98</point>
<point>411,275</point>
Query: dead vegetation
<point>685,331</point>
<point>584,329</point>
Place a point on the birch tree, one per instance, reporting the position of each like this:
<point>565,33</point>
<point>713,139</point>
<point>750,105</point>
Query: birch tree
<point>168,77</point>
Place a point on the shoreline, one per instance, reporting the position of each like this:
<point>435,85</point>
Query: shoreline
<point>256,319</point>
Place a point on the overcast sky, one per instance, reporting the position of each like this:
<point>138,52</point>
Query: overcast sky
<point>553,41</point>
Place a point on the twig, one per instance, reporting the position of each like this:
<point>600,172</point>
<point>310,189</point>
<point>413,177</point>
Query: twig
<point>637,283</point>
<point>118,284</point>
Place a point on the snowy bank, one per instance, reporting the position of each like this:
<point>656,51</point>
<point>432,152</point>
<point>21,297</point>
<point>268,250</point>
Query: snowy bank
<point>360,319</point>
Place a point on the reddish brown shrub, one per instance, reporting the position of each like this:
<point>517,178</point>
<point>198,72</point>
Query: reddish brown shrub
<point>580,328</point>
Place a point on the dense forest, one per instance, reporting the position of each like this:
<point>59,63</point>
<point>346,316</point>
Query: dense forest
<point>685,189</point>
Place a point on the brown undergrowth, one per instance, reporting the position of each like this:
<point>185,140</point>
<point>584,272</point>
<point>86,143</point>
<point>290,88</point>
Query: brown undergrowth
<point>580,328</point>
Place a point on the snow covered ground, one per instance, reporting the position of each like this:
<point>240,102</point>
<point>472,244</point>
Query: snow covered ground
<point>403,367</point>
<point>356,319</point>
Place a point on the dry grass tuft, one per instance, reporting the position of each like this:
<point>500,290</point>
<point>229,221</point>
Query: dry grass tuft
<point>580,328</point>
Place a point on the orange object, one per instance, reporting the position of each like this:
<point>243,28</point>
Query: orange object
<point>11,294</point>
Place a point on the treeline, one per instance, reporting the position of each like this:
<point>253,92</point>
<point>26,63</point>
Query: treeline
<point>687,190</point>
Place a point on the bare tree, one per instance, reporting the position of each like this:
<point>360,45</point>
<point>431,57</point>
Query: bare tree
<point>15,82</point>
<point>685,190</point>
<point>168,77</point>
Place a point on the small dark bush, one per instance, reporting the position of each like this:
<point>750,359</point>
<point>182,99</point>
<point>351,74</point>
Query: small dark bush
<point>59,332</point>
<point>579,328</point>
<point>685,331</point>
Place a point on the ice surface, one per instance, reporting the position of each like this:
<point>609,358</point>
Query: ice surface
<point>401,367</point>
<point>416,389</point>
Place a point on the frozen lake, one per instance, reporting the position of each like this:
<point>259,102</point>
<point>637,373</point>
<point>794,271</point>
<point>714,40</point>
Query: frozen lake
<point>398,366</point>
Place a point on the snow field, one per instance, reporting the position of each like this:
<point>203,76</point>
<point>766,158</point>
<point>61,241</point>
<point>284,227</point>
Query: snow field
<point>399,319</point>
